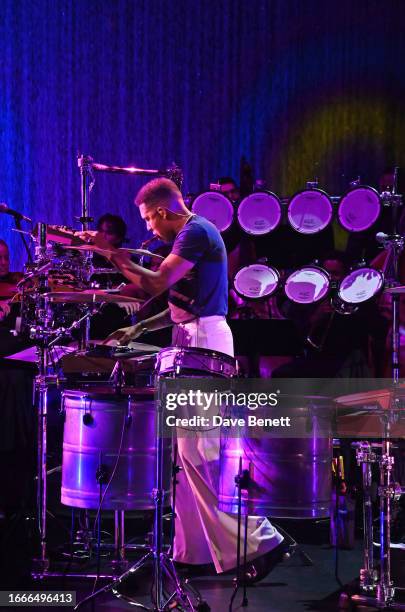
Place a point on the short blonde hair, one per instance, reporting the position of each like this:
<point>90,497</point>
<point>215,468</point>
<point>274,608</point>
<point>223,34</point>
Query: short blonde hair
<point>159,191</point>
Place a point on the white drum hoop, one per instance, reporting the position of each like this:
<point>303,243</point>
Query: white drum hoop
<point>307,285</point>
<point>360,285</point>
<point>310,211</point>
<point>215,207</point>
<point>359,208</point>
<point>259,213</point>
<point>256,282</point>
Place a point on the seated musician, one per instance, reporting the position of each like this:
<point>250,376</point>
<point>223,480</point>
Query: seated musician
<point>8,287</point>
<point>195,273</point>
<point>113,229</point>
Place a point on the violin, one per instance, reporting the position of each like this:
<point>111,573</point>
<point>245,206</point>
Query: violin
<point>8,286</point>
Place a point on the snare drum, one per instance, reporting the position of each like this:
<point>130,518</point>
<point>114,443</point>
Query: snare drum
<point>256,281</point>
<point>307,285</point>
<point>259,213</point>
<point>360,285</point>
<point>310,211</point>
<point>359,209</point>
<point>191,361</point>
<point>215,207</point>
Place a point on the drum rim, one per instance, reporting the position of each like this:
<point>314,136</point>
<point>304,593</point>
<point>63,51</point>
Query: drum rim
<point>316,190</point>
<point>228,201</point>
<point>318,268</point>
<point>342,199</point>
<point>280,212</point>
<point>263,297</point>
<point>379,273</point>
<point>200,351</point>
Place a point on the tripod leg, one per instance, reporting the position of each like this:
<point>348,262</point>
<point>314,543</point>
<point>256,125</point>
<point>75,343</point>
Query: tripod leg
<point>111,585</point>
<point>168,567</point>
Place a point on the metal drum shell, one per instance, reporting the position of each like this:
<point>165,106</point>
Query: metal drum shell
<point>317,194</point>
<point>259,269</point>
<point>260,226</point>
<point>183,361</point>
<point>290,477</point>
<point>206,204</point>
<point>348,215</point>
<point>85,446</point>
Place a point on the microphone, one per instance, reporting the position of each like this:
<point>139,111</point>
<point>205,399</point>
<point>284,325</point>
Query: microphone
<point>4,208</point>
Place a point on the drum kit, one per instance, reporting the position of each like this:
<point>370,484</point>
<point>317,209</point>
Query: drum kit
<point>114,455</point>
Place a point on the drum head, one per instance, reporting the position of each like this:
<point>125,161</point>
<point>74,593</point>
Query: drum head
<point>215,207</point>
<point>310,211</point>
<point>359,209</point>
<point>256,281</point>
<point>360,285</point>
<point>307,285</point>
<point>259,213</point>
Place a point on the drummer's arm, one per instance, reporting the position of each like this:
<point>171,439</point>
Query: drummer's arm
<point>172,269</point>
<point>159,321</point>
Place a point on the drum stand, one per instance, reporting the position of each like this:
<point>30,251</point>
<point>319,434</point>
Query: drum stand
<point>383,586</point>
<point>242,481</point>
<point>162,564</point>
<point>42,334</point>
<point>388,491</point>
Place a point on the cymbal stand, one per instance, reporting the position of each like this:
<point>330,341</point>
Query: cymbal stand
<point>365,457</point>
<point>41,333</point>
<point>87,181</point>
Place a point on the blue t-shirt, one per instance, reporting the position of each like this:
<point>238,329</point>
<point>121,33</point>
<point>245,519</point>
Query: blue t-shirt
<point>203,291</point>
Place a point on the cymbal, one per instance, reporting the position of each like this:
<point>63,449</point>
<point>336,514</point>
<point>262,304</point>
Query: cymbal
<point>108,253</point>
<point>91,296</point>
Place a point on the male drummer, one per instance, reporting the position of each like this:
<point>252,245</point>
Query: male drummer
<point>195,273</point>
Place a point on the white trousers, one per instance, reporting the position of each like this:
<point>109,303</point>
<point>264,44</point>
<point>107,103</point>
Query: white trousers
<point>204,534</point>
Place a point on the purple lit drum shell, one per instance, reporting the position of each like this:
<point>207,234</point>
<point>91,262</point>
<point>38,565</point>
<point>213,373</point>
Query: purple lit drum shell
<point>310,211</point>
<point>85,446</point>
<point>307,285</point>
<point>215,207</point>
<point>256,281</point>
<point>290,477</point>
<point>259,213</point>
<point>359,209</point>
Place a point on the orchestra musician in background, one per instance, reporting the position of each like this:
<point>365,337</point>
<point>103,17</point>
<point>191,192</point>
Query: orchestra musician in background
<point>8,283</point>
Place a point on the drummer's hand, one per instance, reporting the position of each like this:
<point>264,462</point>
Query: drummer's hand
<point>124,335</point>
<point>130,307</point>
<point>4,310</point>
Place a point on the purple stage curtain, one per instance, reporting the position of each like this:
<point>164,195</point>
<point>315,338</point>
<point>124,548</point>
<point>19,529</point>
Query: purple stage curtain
<point>301,88</point>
